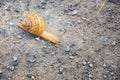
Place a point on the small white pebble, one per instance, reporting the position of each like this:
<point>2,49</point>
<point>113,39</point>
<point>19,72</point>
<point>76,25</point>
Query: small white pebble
<point>84,62</point>
<point>74,12</point>
<point>104,65</point>
<point>112,73</point>
<point>90,76</point>
<point>37,38</point>
<point>104,76</point>
<point>90,65</point>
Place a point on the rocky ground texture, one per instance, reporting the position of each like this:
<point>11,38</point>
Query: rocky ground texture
<point>89,33</point>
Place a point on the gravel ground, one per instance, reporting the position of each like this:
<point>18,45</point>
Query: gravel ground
<point>89,47</point>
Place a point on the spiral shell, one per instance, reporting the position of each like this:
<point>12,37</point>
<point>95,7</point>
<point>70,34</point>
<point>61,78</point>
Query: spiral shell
<point>33,23</point>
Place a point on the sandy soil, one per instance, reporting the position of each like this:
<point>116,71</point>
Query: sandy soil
<point>89,47</point>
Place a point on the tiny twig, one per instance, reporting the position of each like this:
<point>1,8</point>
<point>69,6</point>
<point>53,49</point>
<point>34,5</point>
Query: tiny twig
<point>86,19</point>
<point>101,7</point>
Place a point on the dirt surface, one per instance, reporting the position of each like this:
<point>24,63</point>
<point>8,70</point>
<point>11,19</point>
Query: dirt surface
<point>89,47</point>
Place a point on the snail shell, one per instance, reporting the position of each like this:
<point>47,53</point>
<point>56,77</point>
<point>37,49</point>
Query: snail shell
<point>33,23</point>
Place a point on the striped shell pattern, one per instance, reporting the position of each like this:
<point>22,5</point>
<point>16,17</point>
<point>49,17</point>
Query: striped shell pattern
<point>33,23</point>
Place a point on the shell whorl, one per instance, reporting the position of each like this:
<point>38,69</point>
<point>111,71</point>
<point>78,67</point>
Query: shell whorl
<point>33,23</point>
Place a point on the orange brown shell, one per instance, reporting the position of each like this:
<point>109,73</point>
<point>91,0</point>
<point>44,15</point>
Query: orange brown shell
<point>33,23</point>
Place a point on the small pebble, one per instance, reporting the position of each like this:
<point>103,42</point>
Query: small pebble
<point>73,23</point>
<point>104,76</point>
<point>78,65</point>
<point>17,9</point>
<point>31,62</point>
<point>0,71</point>
<point>60,70</point>
<point>8,77</point>
<point>90,79</point>
<point>117,40</point>
<point>19,37</point>
<point>1,3</point>
<point>42,5</point>
<point>1,26</point>
<point>75,54</point>
<point>103,38</point>
<point>90,76</point>
<point>28,2</point>
<point>114,43</point>
<point>73,43</point>
<point>84,62</point>
<point>60,60</point>
<point>79,21</point>
<point>1,74</point>
<point>90,65</point>
<point>71,8</point>
<point>88,70</point>
<point>112,73</point>
<point>10,23</point>
<point>74,12</point>
<point>15,58</point>
<point>37,38</point>
<point>71,57</point>
<point>104,65</point>
<point>11,68</point>
<point>53,52</point>
<point>88,62</point>
<point>67,49</point>
<point>33,78</point>
<point>45,47</point>
<point>4,32</point>
<point>29,75</point>
<point>15,61</point>
<point>115,1</point>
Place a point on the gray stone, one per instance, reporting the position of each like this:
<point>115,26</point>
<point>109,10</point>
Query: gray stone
<point>28,2</point>
<point>29,75</point>
<point>105,76</point>
<point>115,1</point>
<point>60,70</point>
<point>1,71</point>
<point>4,32</point>
<point>17,9</point>
<point>31,62</point>
<point>11,68</point>
<point>73,43</point>
<point>15,58</point>
<point>42,5</point>
<point>104,40</point>
<point>88,70</point>
<point>90,65</point>
<point>8,77</point>
<point>84,62</point>
<point>15,61</point>
<point>67,49</point>
<point>71,8</point>
<point>19,37</point>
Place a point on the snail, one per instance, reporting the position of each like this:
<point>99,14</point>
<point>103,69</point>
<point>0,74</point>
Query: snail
<point>34,24</point>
